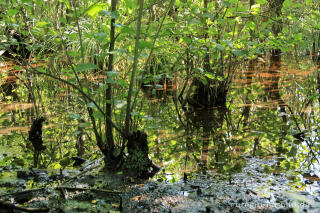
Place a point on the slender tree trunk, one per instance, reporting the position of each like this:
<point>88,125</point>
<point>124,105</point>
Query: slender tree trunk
<point>207,65</point>
<point>108,123</point>
<point>135,63</point>
<point>275,8</point>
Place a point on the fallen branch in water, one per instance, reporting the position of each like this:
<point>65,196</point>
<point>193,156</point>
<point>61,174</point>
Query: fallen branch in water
<point>87,189</point>
<point>86,168</point>
<point>81,173</point>
<point>89,165</point>
<point>10,207</point>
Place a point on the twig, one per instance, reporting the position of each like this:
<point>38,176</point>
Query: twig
<point>81,173</point>
<point>87,189</point>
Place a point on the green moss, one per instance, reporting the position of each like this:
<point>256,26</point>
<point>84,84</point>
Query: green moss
<point>137,162</point>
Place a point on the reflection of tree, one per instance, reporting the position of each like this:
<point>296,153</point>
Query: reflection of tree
<point>247,107</point>
<point>159,113</point>
<point>272,89</point>
<point>273,92</point>
<point>208,123</point>
<point>249,74</point>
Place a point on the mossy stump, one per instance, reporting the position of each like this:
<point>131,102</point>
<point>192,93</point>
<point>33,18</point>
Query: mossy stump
<point>137,162</point>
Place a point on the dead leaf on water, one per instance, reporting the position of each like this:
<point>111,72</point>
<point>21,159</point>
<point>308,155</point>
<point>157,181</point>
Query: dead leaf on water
<point>137,198</point>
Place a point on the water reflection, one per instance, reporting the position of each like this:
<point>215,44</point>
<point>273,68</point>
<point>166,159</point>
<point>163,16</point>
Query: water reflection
<point>273,94</point>
<point>207,125</point>
<point>267,104</point>
<point>264,109</point>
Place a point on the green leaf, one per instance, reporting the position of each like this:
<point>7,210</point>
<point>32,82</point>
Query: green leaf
<point>66,154</point>
<point>121,82</point>
<point>74,116</point>
<point>18,162</point>
<point>220,78</point>
<point>57,166</point>
<point>112,74</point>
<point>233,1</point>
<point>238,52</point>
<point>77,133</point>
<point>17,67</point>
<point>130,4</point>
<point>148,118</point>
<point>116,151</point>
<point>285,30</point>
<point>204,81</point>
<point>251,25</point>
<point>72,53</point>
<point>118,25</point>
<point>298,36</point>
<point>85,125</point>
<point>220,47</point>
<point>261,1</point>
<point>100,36</point>
<point>134,114</point>
<point>210,75</point>
<point>91,105</point>
<point>127,29</point>
<point>145,44</point>
<point>86,66</point>
<point>98,115</point>
<point>255,9</point>
<point>94,9</point>
<point>42,23</point>
<point>113,15</point>
<point>12,12</point>
<point>293,151</point>
<point>66,3</point>
<point>120,104</point>
<point>187,40</point>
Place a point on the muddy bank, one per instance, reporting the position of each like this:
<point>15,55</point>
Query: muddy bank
<point>251,190</point>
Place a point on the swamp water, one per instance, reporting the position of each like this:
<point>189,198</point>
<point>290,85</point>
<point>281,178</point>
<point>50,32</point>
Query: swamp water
<point>258,154</point>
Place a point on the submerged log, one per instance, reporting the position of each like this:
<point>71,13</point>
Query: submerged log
<point>9,207</point>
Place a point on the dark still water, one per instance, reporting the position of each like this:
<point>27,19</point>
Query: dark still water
<point>271,111</point>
